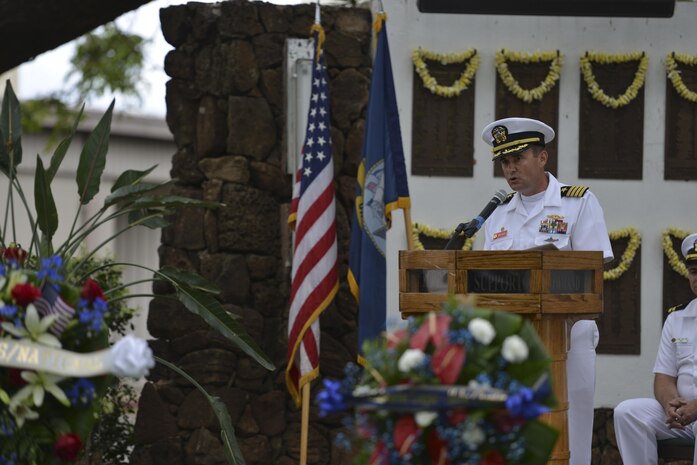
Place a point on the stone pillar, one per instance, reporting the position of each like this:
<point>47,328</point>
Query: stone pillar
<point>225,109</point>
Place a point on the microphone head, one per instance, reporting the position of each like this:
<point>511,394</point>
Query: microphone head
<point>501,195</point>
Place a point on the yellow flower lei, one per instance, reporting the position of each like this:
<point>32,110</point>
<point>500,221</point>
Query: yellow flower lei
<point>428,231</point>
<point>675,262</point>
<point>628,255</point>
<point>528,95</point>
<point>462,83</point>
<point>674,74</point>
<point>603,58</point>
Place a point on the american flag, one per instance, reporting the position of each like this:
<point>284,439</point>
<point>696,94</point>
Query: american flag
<point>314,274</point>
<point>50,303</point>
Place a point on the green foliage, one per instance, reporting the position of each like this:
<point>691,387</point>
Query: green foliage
<point>108,61</point>
<point>112,437</point>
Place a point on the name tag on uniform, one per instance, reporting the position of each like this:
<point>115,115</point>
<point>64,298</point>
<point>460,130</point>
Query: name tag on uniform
<point>501,234</point>
<point>679,340</point>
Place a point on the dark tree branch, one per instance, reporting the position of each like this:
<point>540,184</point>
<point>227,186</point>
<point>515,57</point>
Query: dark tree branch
<point>31,27</point>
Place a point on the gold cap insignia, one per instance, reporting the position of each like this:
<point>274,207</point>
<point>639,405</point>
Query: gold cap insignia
<point>500,134</point>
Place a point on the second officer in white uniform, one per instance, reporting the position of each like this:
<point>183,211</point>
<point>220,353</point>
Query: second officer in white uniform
<point>543,211</point>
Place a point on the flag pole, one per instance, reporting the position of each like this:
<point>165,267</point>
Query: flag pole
<point>305,392</point>
<point>304,422</point>
<point>408,228</point>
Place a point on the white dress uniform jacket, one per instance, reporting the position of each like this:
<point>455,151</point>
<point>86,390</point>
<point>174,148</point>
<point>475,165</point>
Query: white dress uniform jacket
<point>639,423</point>
<point>571,222</point>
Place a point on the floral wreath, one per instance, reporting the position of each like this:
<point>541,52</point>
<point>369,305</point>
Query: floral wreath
<point>462,83</point>
<point>428,231</point>
<point>465,385</point>
<point>604,58</point>
<point>628,255</point>
<point>675,262</point>
<point>528,95</point>
<point>672,60</point>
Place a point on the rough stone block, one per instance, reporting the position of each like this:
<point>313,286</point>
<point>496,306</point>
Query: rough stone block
<point>211,129</point>
<point>249,222</point>
<point>154,422</point>
<point>269,412</point>
<point>251,126</point>
<point>176,24</point>
<point>230,169</point>
<point>239,19</point>
<point>349,92</point>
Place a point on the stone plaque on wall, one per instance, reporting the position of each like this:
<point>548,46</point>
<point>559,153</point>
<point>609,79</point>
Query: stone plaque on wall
<point>529,75</point>
<point>611,141</point>
<point>681,128</point>
<point>442,127</point>
<point>676,287</point>
<point>620,323</point>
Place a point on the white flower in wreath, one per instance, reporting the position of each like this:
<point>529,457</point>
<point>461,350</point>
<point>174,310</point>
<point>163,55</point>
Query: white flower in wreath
<point>425,418</point>
<point>131,357</point>
<point>473,436</point>
<point>38,383</point>
<point>21,413</point>
<point>35,328</point>
<point>410,359</point>
<point>482,331</point>
<point>514,349</point>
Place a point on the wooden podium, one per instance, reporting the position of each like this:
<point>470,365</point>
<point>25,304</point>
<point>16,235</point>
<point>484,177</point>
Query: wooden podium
<point>547,286</point>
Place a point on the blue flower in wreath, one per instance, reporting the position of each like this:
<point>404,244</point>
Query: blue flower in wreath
<point>81,392</point>
<point>332,398</point>
<point>523,403</point>
<point>92,314</point>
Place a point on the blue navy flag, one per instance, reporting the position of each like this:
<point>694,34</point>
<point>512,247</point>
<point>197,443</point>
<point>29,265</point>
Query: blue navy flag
<point>315,272</point>
<point>381,188</point>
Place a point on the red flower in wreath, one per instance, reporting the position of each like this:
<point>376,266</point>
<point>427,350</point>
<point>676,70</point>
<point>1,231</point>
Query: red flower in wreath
<point>14,252</point>
<point>493,457</point>
<point>91,290</point>
<point>379,455</point>
<point>434,329</point>
<point>447,363</point>
<point>67,447</point>
<point>437,449</point>
<point>406,432</point>
<point>24,294</point>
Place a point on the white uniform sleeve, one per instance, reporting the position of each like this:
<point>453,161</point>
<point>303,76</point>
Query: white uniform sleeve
<point>666,362</point>
<point>590,232</point>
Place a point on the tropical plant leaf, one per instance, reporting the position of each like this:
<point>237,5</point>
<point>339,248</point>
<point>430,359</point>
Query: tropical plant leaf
<point>62,149</point>
<point>46,213</point>
<point>155,220</point>
<point>93,158</point>
<point>213,313</point>
<point>192,280</point>
<point>129,192</point>
<point>131,177</point>
<point>10,132</point>
<point>227,431</point>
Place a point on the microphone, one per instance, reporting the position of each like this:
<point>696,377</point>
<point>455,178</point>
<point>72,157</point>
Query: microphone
<point>469,229</point>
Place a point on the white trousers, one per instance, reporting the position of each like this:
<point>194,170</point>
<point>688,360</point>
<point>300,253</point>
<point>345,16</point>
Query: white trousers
<point>639,423</point>
<point>580,378</point>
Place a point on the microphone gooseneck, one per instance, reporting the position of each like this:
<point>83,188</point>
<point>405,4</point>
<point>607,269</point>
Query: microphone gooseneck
<point>469,229</point>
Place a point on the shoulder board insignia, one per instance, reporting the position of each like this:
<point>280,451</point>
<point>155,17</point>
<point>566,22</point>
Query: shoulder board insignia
<point>573,191</point>
<point>676,308</point>
<point>508,198</point>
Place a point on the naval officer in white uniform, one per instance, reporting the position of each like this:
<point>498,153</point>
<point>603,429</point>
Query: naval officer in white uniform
<point>673,411</point>
<point>544,211</point>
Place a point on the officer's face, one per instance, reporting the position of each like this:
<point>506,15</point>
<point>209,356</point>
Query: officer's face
<point>525,171</point>
<point>692,276</point>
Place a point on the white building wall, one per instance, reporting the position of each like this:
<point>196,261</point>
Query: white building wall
<point>651,204</point>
